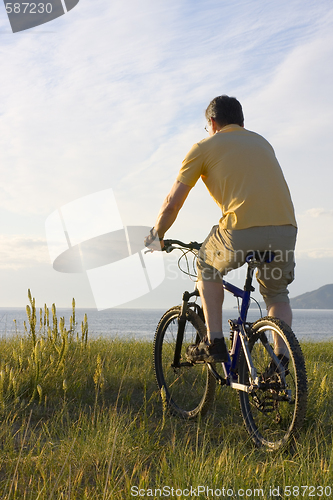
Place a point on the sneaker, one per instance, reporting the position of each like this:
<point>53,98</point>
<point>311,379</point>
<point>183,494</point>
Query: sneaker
<point>210,353</point>
<point>272,369</point>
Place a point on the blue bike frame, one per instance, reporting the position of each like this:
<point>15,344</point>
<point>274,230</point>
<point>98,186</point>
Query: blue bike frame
<point>253,259</point>
<point>229,367</point>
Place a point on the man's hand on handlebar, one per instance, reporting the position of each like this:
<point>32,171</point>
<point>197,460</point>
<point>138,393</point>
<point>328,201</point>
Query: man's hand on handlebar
<point>153,242</point>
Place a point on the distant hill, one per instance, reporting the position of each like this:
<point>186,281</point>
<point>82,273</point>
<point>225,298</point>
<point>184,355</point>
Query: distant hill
<point>318,299</point>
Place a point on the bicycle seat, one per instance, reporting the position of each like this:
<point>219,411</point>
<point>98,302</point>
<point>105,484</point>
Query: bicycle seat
<point>264,257</point>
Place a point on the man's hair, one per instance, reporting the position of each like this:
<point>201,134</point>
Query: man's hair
<point>225,110</point>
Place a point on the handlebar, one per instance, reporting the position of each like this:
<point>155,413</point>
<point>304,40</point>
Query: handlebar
<point>169,245</point>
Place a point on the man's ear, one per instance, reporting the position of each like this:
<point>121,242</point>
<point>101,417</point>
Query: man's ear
<point>214,125</point>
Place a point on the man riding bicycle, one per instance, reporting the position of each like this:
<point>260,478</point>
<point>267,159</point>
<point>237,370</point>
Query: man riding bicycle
<point>242,174</point>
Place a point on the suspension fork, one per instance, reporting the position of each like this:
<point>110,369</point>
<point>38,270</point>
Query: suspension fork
<point>181,326</point>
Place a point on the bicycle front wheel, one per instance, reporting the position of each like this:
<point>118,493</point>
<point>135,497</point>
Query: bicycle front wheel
<point>189,389</point>
<point>273,414</point>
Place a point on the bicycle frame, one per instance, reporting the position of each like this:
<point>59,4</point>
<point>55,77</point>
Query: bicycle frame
<point>253,260</point>
<point>239,336</point>
<point>238,328</point>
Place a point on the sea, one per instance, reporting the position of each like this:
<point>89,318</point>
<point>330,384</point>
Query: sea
<point>314,325</point>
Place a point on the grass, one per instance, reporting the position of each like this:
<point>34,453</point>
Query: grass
<point>82,419</point>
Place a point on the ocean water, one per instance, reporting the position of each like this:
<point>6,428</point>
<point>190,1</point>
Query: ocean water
<point>308,324</point>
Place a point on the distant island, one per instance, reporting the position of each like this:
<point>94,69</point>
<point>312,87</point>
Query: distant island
<point>318,299</point>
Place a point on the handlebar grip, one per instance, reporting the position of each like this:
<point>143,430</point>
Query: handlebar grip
<point>167,246</point>
<point>193,245</point>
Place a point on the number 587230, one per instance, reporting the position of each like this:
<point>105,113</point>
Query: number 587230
<point>28,8</point>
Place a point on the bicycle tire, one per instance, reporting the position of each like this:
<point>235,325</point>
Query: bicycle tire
<point>271,420</point>
<point>188,390</point>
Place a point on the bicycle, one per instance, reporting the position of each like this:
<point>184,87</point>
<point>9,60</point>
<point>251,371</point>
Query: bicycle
<point>272,402</point>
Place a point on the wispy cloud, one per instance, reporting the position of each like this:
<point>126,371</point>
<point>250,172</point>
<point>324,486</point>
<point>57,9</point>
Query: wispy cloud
<point>318,212</point>
<point>96,100</point>
<point>18,252</point>
<point>315,235</point>
<point>316,254</point>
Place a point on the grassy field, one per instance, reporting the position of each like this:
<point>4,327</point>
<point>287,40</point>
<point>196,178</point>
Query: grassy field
<point>82,419</point>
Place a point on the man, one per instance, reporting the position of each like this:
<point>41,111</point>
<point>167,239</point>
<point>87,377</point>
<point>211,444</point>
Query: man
<point>243,176</point>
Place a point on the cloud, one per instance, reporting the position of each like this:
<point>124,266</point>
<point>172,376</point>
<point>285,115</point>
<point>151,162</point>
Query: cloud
<point>115,97</point>
<point>18,252</point>
<point>316,253</point>
<point>318,212</point>
<point>296,103</point>
<point>294,111</point>
<point>97,100</point>
<point>315,234</point>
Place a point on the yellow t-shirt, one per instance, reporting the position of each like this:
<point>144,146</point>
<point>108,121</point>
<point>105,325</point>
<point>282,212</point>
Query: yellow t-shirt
<point>243,176</point>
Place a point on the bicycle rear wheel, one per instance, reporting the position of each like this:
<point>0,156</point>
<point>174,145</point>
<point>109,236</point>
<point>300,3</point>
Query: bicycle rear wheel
<point>189,389</point>
<point>274,414</point>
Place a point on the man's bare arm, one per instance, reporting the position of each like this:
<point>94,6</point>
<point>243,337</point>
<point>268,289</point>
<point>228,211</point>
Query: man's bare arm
<point>171,206</point>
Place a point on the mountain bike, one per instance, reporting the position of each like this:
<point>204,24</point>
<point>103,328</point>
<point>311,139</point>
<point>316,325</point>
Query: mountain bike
<point>272,394</point>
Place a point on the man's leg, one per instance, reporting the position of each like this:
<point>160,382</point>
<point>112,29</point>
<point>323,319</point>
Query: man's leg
<point>215,350</point>
<point>212,295</point>
<point>280,310</point>
<point>276,277</point>
<point>212,258</point>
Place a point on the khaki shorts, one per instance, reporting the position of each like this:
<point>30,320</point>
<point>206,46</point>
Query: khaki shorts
<point>225,250</point>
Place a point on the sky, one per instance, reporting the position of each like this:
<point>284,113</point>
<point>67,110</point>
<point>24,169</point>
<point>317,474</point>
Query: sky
<point>112,96</point>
